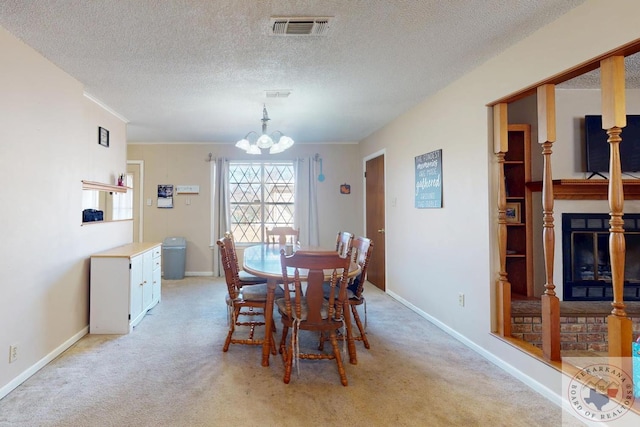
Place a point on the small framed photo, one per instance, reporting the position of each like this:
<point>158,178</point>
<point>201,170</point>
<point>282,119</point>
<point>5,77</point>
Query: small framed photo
<point>345,188</point>
<point>513,212</point>
<point>103,136</point>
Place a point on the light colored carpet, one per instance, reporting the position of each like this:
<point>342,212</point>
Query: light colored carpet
<point>171,371</point>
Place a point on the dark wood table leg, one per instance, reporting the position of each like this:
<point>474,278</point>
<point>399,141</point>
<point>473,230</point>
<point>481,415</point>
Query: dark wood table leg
<point>268,320</point>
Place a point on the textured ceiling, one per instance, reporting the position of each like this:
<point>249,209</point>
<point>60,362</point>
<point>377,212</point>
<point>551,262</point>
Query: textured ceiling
<point>186,70</point>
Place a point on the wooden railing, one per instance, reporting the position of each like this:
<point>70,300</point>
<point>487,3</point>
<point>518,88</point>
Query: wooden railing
<point>549,301</point>
<point>503,291</point>
<point>620,333</point>
<point>614,118</point>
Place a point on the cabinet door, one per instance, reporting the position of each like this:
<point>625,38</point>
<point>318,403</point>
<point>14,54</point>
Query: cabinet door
<point>157,283</point>
<point>135,301</point>
<point>147,280</point>
<point>157,275</point>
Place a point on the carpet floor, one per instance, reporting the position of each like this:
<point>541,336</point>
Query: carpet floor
<point>171,371</point>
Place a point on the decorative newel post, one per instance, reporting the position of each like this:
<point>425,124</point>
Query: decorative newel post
<point>500,148</point>
<point>549,301</point>
<point>614,118</point>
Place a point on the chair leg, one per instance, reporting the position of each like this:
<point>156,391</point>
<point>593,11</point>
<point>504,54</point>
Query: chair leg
<point>338,357</point>
<point>283,340</point>
<point>287,356</point>
<point>272,342</point>
<point>323,338</point>
<point>356,317</point>
<point>232,328</point>
<point>351,343</point>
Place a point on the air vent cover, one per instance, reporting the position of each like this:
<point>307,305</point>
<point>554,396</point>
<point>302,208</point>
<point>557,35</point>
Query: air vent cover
<point>299,26</point>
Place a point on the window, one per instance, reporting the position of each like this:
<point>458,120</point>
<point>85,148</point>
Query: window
<point>262,195</point>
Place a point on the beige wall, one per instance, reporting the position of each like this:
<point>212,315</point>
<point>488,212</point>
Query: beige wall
<point>434,254</point>
<point>48,130</point>
<point>185,164</point>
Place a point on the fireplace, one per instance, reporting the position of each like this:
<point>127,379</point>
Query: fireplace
<point>586,262</point>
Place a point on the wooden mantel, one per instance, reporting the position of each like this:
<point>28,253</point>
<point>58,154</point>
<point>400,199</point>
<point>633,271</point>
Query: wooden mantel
<point>587,189</point>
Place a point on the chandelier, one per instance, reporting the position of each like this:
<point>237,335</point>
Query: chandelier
<point>265,140</point>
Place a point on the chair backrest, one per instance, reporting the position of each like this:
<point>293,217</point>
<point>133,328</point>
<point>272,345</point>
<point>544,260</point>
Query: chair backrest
<point>230,265</point>
<point>361,249</point>
<point>317,266</point>
<point>281,234</point>
<point>343,240</point>
<point>233,254</point>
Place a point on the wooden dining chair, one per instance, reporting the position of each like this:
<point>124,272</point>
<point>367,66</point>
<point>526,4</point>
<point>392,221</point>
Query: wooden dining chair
<point>311,311</point>
<point>282,234</point>
<point>245,278</point>
<point>343,239</point>
<point>248,300</point>
<point>361,249</point>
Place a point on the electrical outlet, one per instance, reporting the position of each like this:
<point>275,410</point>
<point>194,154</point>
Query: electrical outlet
<point>13,353</point>
<point>461,299</point>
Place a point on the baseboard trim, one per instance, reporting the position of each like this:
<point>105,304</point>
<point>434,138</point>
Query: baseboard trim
<point>531,382</point>
<point>42,362</point>
<point>198,273</point>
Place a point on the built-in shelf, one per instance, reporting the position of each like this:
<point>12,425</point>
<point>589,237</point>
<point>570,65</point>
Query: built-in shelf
<point>588,189</point>
<point>101,186</point>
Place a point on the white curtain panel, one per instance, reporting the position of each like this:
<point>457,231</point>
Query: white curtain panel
<point>220,211</point>
<point>306,211</point>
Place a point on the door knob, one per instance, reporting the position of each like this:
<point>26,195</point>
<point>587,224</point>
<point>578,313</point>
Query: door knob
<point>381,231</point>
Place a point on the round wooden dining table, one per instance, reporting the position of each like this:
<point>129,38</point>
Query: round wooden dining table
<point>263,260</point>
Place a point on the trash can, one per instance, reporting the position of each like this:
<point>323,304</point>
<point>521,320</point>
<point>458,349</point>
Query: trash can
<point>174,251</point>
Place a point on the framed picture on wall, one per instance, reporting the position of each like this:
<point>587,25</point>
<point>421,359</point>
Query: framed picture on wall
<point>103,136</point>
<point>513,212</point>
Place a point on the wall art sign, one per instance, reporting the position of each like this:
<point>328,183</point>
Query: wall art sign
<point>429,180</point>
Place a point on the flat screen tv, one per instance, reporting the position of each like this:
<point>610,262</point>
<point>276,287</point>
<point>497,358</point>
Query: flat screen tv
<point>598,147</point>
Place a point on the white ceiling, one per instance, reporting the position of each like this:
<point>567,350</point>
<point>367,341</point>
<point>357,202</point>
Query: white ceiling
<point>187,70</point>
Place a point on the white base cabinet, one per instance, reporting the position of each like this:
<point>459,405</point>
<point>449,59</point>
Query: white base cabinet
<point>125,282</point>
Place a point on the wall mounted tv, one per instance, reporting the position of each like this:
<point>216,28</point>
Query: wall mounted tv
<point>598,147</point>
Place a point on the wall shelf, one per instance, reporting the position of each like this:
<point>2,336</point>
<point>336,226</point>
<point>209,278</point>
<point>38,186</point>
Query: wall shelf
<point>100,186</point>
<point>517,172</point>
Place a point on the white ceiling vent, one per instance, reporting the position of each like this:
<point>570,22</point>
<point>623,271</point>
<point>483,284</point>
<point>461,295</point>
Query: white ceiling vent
<point>300,26</point>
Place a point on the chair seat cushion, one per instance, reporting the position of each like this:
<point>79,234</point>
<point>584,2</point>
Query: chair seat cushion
<point>326,288</point>
<point>353,286</point>
<point>247,278</point>
<point>281,304</point>
<point>258,292</point>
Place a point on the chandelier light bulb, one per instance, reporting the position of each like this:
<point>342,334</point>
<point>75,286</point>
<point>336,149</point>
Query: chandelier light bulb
<point>243,144</point>
<point>285,142</point>
<point>253,149</point>
<point>276,148</point>
<point>264,141</point>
